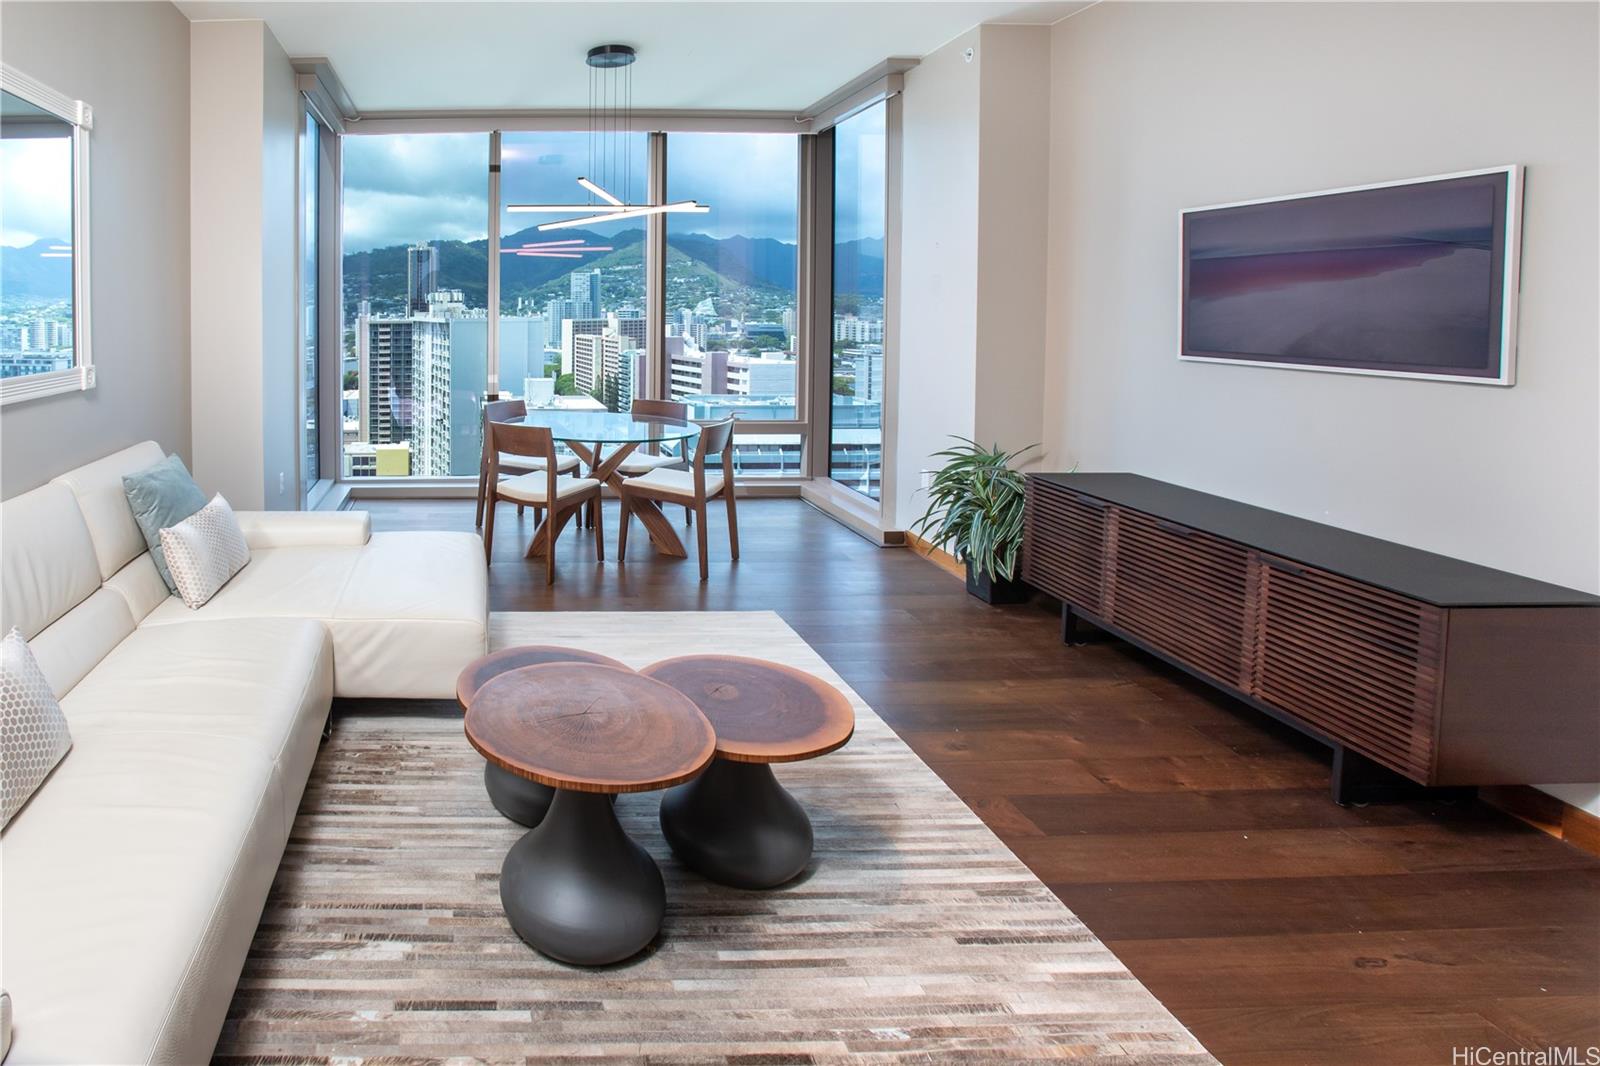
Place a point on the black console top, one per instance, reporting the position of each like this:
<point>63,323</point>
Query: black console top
<point>1420,575</point>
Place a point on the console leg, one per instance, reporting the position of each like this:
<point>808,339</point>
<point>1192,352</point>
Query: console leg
<point>1357,780</point>
<point>1069,626</point>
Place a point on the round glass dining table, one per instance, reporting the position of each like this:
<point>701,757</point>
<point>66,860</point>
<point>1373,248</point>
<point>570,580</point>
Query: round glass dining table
<point>608,427</point>
<point>590,433</point>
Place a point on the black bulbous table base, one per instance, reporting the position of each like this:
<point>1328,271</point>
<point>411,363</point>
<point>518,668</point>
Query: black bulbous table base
<point>736,825</point>
<point>577,887</point>
<point>519,799</point>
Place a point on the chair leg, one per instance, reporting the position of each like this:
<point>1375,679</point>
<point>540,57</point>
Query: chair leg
<point>622,529</point>
<point>488,530</point>
<point>538,515</point>
<point>550,548</point>
<point>688,515</point>
<point>519,510</point>
<point>700,536</point>
<point>599,530</point>
<point>483,481</point>
<point>733,523</point>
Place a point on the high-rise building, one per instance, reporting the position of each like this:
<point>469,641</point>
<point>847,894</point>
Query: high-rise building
<point>695,372</point>
<point>413,392</point>
<point>868,361</point>
<point>593,354</point>
<point>854,330</point>
<point>586,289</point>
<point>760,376</point>
<point>575,327</point>
<point>562,308</point>
<point>630,326</point>
<point>422,276</point>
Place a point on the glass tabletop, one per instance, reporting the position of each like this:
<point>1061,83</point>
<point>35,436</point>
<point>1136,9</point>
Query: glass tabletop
<point>608,427</point>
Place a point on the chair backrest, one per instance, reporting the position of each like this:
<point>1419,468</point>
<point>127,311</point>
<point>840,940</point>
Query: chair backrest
<point>716,438</point>
<point>660,409</point>
<point>509,439</point>
<point>500,410</point>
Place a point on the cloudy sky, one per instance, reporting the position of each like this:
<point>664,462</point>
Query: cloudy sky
<point>35,190</point>
<point>403,188</point>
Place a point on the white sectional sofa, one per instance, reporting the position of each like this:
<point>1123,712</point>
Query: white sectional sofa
<point>132,882</point>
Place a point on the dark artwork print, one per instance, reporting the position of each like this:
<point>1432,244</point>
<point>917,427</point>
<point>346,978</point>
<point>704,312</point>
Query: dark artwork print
<point>1406,278</point>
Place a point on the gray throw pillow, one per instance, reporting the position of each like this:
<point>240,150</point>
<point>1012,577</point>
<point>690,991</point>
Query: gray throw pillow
<point>162,496</point>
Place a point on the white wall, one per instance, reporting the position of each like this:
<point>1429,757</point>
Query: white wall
<point>1014,186</point>
<point>243,111</point>
<point>938,266</point>
<point>975,141</point>
<point>130,62</point>
<point>1156,107</point>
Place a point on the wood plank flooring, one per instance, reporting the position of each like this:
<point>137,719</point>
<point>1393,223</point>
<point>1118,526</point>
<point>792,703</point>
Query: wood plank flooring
<point>1191,834</point>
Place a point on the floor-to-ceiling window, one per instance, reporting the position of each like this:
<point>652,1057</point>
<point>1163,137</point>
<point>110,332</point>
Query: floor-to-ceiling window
<point>310,369</point>
<point>572,299</point>
<point>731,310</point>
<point>860,196</point>
<point>415,248</point>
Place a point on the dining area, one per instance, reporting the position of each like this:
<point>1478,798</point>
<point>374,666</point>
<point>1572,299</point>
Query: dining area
<point>560,462</point>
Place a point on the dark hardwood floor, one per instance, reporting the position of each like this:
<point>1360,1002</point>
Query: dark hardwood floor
<point>1194,836</point>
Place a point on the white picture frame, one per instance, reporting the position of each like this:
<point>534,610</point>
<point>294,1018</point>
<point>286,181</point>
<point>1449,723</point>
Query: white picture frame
<point>1511,275</point>
<point>80,376</point>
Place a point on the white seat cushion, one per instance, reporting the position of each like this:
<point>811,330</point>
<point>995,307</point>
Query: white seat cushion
<point>643,463</point>
<point>407,611</point>
<point>264,681</point>
<point>565,464</point>
<point>412,616</point>
<point>673,484</point>
<point>531,488</point>
<point>278,583</point>
<point>156,840</point>
<point>130,892</point>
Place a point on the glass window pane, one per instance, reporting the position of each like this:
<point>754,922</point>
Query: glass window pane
<point>572,300</point>
<point>859,205</point>
<point>730,302</point>
<point>310,164</point>
<point>36,176</point>
<point>416,279</point>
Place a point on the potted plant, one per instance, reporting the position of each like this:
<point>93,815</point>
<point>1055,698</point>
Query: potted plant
<point>975,513</point>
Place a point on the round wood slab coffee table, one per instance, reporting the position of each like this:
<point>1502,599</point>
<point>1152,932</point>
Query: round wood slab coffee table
<point>576,887</point>
<point>521,800</point>
<point>735,824</point>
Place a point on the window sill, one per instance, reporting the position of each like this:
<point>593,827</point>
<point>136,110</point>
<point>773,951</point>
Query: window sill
<point>35,386</point>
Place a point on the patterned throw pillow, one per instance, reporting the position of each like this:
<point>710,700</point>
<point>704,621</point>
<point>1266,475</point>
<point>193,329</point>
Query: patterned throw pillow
<point>204,551</point>
<point>33,731</point>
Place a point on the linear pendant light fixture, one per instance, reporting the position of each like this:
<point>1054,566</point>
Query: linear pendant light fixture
<point>610,120</point>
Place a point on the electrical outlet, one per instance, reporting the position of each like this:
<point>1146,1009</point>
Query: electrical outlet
<point>280,483</point>
<point>927,479</point>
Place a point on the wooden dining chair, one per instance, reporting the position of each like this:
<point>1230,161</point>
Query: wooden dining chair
<point>562,495</point>
<point>500,411</point>
<point>692,488</point>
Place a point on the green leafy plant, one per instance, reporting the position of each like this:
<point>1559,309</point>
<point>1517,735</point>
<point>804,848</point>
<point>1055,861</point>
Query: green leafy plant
<point>975,507</point>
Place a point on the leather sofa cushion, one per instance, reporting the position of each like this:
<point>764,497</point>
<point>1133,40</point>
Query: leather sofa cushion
<point>104,503</point>
<point>406,610</point>
<point>155,841</point>
<point>48,565</point>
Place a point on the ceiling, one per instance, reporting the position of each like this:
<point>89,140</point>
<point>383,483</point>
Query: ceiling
<point>753,55</point>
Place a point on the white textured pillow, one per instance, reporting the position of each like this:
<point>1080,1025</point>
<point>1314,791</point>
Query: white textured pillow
<point>33,731</point>
<point>204,551</point>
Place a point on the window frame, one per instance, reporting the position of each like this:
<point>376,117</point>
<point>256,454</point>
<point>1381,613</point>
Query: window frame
<point>814,261</point>
<point>80,376</point>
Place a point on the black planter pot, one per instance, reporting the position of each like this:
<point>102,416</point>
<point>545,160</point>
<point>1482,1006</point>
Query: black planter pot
<point>994,590</point>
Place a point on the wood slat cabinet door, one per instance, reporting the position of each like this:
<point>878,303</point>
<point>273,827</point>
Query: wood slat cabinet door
<point>1184,592</point>
<point>1064,544</point>
<point>1357,662</point>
